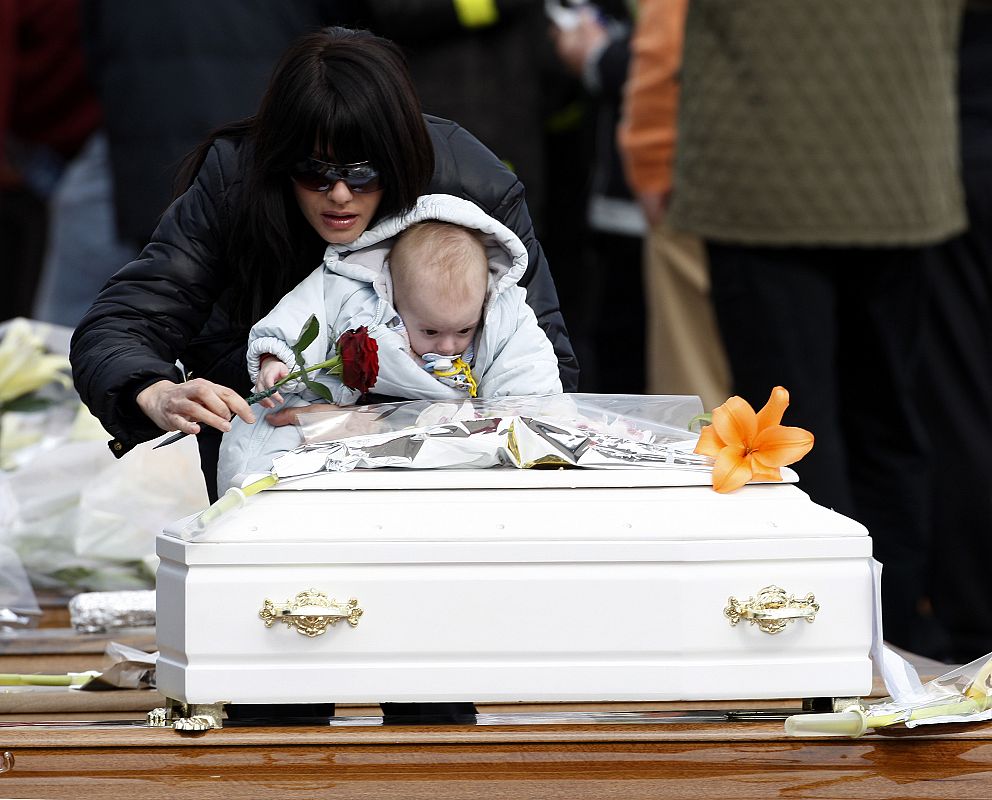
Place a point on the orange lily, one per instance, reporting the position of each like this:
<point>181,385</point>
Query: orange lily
<point>749,446</point>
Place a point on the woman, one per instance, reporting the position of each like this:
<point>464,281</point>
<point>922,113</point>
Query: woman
<point>255,219</point>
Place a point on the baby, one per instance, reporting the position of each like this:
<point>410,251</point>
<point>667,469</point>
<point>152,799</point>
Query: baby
<point>437,290</point>
<point>440,278</point>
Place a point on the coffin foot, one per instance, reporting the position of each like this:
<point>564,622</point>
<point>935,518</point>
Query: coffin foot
<point>191,718</point>
<point>157,718</point>
<point>200,717</point>
<point>164,717</point>
<point>828,704</point>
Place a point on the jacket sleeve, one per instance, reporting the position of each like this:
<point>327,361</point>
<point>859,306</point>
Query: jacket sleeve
<point>523,361</point>
<point>283,325</point>
<point>339,303</point>
<point>464,167</point>
<point>143,318</point>
<point>646,134</point>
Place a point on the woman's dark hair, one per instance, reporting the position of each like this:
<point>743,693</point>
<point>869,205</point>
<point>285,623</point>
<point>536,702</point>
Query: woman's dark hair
<point>340,94</point>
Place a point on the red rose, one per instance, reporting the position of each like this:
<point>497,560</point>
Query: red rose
<point>359,359</point>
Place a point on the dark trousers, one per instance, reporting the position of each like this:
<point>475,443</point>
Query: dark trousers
<point>610,347</point>
<point>392,713</point>
<point>840,328</point>
<point>957,403</point>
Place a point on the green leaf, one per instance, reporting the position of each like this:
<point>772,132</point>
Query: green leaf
<point>322,391</point>
<point>306,379</point>
<point>307,335</point>
<point>698,421</point>
<point>27,402</point>
<point>317,388</point>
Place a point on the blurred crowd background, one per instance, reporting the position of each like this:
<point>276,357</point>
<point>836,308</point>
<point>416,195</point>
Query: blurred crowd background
<point>731,195</point>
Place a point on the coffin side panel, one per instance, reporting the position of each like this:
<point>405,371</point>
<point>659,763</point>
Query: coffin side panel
<point>485,631</point>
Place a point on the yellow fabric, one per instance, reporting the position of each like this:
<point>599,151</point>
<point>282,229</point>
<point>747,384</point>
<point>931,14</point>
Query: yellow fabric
<point>476,13</point>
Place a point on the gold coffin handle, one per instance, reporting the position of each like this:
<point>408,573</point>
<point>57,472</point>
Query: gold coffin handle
<point>772,609</point>
<point>310,612</point>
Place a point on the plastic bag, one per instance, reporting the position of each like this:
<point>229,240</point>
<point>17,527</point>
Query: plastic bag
<point>127,504</point>
<point>638,416</point>
<point>579,430</point>
<point>85,521</point>
<point>18,605</point>
<point>964,694</point>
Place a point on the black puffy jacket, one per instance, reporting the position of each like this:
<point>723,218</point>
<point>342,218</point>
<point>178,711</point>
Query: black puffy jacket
<point>170,303</point>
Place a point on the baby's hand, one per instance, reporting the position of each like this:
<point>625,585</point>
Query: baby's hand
<point>271,371</point>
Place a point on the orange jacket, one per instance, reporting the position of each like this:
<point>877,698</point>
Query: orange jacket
<point>646,134</point>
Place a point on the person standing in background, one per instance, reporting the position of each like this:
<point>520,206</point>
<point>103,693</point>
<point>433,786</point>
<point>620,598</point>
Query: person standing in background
<point>167,72</point>
<point>957,365</point>
<point>484,64</point>
<point>47,112</point>
<point>685,354</point>
<point>596,48</point>
<point>487,65</point>
<point>818,157</point>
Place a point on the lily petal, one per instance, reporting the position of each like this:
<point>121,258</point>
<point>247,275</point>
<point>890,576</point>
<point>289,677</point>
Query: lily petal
<point>780,445</point>
<point>759,472</point>
<point>731,470</point>
<point>735,421</point>
<point>709,444</point>
<point>771,413</point>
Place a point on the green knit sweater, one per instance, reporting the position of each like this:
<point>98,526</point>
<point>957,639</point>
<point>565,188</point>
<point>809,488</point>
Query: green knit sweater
<point>814,122</point>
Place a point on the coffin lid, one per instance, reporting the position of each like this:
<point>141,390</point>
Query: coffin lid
<point>519,505</point>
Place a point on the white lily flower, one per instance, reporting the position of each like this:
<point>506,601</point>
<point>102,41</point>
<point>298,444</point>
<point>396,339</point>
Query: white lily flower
<point>24,364</point>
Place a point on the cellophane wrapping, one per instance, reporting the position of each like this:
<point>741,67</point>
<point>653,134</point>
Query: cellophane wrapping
<point>564,430</point>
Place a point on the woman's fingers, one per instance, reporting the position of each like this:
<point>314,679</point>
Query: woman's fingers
<point>185,406</point>
<point>235,404</point>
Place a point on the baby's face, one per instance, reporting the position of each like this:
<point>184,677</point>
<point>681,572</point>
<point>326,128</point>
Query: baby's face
<point>446,328</point>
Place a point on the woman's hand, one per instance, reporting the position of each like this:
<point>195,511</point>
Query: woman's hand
<point>184,406</point>
<point>287,416</point>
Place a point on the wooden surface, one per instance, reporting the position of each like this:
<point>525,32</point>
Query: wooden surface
<point>742,760</point>
<point>62,649</point>
<point>72,744</point>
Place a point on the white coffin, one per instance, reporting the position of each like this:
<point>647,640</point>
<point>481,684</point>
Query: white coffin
<point>515,585</point>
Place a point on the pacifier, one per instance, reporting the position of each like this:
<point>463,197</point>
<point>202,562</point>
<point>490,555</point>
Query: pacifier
<point>452,371</point>
<point>435,362</point>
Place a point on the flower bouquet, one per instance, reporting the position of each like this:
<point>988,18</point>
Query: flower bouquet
<point>72,517</point>
<point>30,378</point>
<point>962,695</point>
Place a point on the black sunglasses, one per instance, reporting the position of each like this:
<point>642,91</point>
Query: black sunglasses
<point>319,176</point>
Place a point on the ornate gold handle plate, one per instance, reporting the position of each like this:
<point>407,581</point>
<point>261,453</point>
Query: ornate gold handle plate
<point>310,612</point>
<point>772,609</point>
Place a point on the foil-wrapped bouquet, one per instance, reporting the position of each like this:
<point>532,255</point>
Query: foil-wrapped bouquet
<point>568,430</point>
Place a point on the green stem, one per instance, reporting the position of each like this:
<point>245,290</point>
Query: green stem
<point>328,364</point>
<point>69,679</point>
<point>956,708</point>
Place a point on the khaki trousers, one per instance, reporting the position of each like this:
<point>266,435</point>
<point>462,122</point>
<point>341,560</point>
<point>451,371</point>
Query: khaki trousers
<point>685,354</point>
